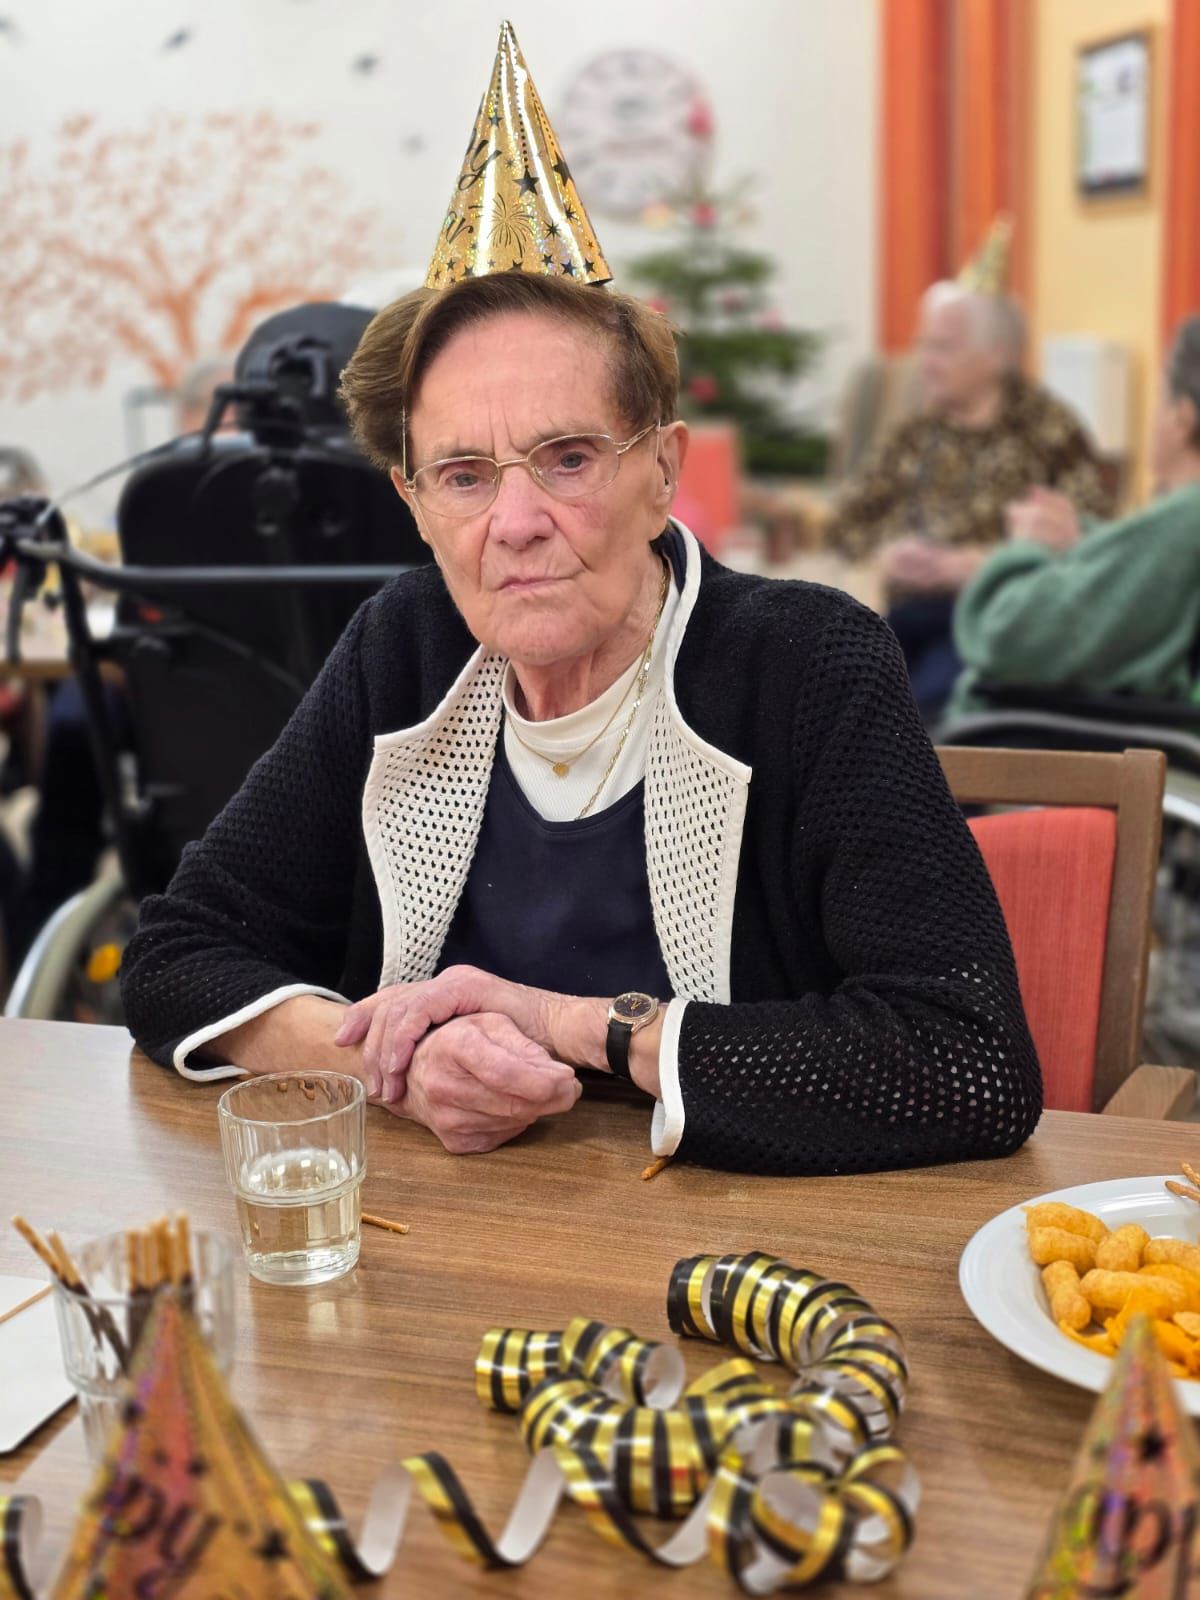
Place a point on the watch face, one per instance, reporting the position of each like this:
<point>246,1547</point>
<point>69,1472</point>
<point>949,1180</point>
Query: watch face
<point>632,1007</point>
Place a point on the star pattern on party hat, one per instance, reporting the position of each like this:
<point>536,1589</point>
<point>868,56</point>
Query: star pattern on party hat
<point>514,206</point>
<point>987,270</point>
<point>1124,1525</point>
<point>187,1502</point>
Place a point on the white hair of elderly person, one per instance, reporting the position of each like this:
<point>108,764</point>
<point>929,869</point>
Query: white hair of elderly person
<point>968,343</point>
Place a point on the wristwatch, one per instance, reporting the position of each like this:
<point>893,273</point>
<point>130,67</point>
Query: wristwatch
<point>626,1015</point>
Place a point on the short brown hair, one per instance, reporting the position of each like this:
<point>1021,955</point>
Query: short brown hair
<point>382,379</point>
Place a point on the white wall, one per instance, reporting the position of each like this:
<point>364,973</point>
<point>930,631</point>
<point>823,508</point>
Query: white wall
<point>791,82</point>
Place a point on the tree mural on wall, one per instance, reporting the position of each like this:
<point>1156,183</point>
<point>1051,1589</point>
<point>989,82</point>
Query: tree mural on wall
<point>164,244</point>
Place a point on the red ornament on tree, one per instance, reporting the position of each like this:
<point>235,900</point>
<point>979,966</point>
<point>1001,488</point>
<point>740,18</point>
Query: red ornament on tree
<point>700,119</point>
<point>703,388</point>
<point>704,214</point>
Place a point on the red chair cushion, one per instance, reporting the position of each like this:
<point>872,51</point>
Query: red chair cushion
<point>1053,875</point>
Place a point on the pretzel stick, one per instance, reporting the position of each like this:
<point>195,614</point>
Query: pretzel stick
<point>100,1318</point>
<point>37,1244</point>
<point>655,1167</point>
<point>1190,1172</point>
<point>1183,1190</point>
<point>141,1285</point>
<point>183,1258</point>
<point>161,1234</point>
<point>181,1265</point>
<point>384,1222</point>
<point>23,1305</point>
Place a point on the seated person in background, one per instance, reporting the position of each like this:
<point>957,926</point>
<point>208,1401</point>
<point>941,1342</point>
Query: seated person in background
<point>521,786</point>
<point>936,493</point>
<point>1111,606</point>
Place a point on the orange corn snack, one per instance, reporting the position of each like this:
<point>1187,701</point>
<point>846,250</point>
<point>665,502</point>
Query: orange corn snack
<point>1122,1250</point>
<point>1068,1305</point>
<point>1173,1250</point>
<point>1188,1281</point>
<point>1109,1291</point>
<point>1056,1244</point>
<point>1057,1214</point>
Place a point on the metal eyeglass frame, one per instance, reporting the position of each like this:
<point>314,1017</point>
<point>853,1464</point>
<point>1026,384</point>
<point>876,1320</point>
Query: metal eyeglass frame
<point>515,461</point>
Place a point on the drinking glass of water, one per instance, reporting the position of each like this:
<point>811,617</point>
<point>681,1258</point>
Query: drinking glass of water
<point>295,1153</point>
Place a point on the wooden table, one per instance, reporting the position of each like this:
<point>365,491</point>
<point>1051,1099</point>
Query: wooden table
<point>341,1379</point>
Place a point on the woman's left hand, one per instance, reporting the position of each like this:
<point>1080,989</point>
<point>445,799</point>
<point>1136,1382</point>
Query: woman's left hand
<point>392,1022</point>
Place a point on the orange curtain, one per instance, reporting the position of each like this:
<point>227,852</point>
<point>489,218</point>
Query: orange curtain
<point>1181,212</point>
<point>954,128</point>
<point>913,155</point>
<point>990,55</point>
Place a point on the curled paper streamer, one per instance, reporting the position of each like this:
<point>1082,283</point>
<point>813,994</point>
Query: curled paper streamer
<point>778,1488</point>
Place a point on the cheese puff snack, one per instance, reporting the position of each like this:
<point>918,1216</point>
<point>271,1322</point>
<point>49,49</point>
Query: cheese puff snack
<point>1069,1307</point>
<point>1056,1244</point>
<point>1183,1255</point>
<point>1122,1250</point>
<point>1108,1291</point>
<point>1188,1281</point>
<point>1056,1214</point>
<point>1097,1281</point>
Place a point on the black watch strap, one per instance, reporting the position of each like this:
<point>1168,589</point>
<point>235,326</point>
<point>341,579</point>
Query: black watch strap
<point>616,1047</point>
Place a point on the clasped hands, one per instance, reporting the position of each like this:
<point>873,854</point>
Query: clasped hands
<point>472,1057</point>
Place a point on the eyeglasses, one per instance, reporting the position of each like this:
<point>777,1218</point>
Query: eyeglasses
<point>570,467</point>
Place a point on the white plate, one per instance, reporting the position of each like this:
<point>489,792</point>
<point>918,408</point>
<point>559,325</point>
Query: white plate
<point>1003,1287</point>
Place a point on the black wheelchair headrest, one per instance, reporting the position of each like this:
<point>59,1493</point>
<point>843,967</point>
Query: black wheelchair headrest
<point>301,353</point>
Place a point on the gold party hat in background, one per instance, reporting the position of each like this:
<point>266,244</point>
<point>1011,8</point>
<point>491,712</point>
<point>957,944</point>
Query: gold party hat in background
<point>514,204</point>
<point>987,270</point>
<point>187,1503</point>
<point>1126,1524</point>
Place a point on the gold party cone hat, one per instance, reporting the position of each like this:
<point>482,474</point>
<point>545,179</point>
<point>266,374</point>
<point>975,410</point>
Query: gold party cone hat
<point>186,1503</point>
<point>1127,1523</point>
<point>987,270</point>
<point>514,205</point>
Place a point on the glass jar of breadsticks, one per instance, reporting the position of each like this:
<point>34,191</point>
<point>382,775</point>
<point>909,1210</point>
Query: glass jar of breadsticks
<point>104,1291</point>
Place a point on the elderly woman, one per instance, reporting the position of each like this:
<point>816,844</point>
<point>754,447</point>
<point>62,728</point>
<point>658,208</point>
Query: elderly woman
<point>581,798</point>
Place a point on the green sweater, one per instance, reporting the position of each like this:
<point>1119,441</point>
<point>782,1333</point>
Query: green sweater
<point>1118,611</point>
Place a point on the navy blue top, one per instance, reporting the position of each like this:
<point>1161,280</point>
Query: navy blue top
<point>559,905</point>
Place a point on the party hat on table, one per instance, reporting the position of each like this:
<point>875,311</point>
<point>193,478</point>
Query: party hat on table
<point>1127,1524</point>
<point>987,270</point>
<point>514,206</point>
<point>186,1503</point>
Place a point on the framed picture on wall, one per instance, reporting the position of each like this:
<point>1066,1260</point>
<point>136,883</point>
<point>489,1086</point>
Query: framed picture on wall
<point>1112,109</point>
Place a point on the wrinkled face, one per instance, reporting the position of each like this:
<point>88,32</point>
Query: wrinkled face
<point>955,368</point>
<point>537,578</point>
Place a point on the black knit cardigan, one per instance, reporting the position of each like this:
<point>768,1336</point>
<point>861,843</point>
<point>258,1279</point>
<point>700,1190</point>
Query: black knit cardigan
<point>875,1019</point>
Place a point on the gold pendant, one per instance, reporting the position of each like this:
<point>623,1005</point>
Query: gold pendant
<point>560,769</point>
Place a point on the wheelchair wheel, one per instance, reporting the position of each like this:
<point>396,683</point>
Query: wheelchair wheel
<point>70,972</point>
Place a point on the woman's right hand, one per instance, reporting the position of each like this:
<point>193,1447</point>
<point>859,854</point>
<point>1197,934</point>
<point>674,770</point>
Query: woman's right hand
<point>477,1082</point>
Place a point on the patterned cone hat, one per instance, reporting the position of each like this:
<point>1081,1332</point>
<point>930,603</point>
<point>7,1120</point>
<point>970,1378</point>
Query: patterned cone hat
<point>186,1503</point>
<point>1127,1524</point>
<point>987,270</point>
<point>514,205</point>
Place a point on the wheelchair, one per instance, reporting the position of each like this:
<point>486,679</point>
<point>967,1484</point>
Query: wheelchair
<point>1041,719</point>
<point>243,557</point>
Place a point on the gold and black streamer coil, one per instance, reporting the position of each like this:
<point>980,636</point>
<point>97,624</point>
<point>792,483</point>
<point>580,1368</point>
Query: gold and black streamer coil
<point>778,1487</point>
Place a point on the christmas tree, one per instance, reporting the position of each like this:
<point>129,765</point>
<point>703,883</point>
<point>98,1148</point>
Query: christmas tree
<point>737,357</point>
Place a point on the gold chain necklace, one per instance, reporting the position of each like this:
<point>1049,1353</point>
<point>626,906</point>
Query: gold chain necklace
<point>560,765</point>
<point>643,674</point>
